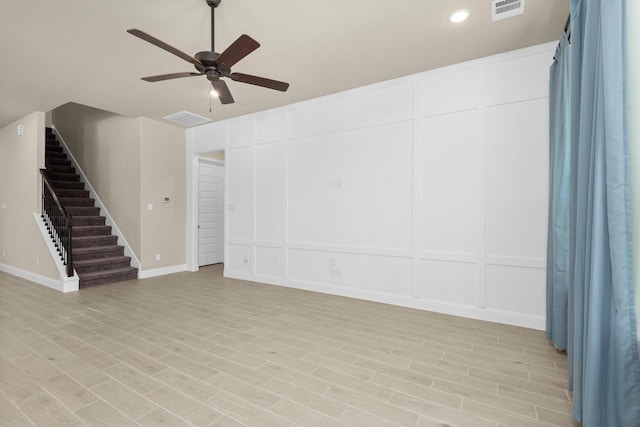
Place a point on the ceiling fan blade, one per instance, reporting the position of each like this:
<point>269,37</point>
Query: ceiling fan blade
<point>223,91</point>
<point>259,81</point>
<point>169,76</point>
<point>240,48</point>
<point>154,41</point>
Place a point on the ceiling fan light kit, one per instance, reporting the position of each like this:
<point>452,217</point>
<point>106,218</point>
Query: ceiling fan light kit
<point>214,65</point>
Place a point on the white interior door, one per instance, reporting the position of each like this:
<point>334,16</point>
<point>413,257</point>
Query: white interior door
<point>210,212</point>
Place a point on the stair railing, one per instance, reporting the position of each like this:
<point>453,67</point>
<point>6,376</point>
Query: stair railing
<point>58,221</point>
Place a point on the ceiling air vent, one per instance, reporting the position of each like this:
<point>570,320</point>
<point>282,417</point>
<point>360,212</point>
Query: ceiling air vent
<point>186,118</point>
<point>502,9</point>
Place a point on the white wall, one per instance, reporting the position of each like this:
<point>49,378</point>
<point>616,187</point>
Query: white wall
<point>428,191</point>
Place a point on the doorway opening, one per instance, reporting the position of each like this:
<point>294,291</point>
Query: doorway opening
<point>210,208</point>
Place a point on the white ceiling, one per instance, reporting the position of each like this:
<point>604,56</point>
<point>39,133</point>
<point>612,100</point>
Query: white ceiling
<point>59,51</point>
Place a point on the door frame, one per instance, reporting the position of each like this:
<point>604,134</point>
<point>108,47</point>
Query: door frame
<point>193,210</point>
<point>211,162</point>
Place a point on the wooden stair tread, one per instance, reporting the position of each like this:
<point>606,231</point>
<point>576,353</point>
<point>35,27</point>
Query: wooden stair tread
<point>96,278</point>
<point>76,185</point>
<point>78,220</point>
<point>77,202</point>
<point>94,249</point>
<point>92,237</point>
<point>75,211</point>
<point>106,260</point>
<point>73,193</point>
<point>80,242</point>
<point>62,176</point>
<point>80,217</point>
<point>104,273</point>
<point>81,228</point>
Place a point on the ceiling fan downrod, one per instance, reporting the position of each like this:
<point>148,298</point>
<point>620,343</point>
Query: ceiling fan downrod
<point>213,4</point>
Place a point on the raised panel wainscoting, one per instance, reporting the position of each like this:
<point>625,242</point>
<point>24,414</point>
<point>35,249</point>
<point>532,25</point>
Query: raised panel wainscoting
<point>428,191</point>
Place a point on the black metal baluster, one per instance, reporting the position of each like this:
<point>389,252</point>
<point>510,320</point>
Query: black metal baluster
<point>58,222</point>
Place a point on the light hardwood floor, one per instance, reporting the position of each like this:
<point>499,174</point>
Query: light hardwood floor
<point>199,349</point>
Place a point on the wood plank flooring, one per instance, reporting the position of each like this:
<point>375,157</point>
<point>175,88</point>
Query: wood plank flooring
<point>196,349</point>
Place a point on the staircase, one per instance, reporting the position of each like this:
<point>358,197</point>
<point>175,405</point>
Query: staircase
<point>97,258</point>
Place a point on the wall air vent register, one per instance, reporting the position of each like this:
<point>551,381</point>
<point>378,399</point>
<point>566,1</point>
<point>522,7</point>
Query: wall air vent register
<point>502,9</point>
<point>186,118</point>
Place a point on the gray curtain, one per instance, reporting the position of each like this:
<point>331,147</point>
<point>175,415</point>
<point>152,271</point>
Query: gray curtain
<point>592,239</point>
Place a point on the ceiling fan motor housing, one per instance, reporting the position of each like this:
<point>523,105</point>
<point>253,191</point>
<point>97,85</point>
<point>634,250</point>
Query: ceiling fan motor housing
<point>207,57</point>
<point>209,65</point>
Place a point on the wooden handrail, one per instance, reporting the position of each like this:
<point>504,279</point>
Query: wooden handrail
<point>47,181</point>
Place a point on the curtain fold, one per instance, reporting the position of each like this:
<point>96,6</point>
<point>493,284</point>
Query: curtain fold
<point>601,336</point>
<point>559,161</point>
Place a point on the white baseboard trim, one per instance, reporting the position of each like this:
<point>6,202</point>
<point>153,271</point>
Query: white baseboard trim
<point>490,315</point>
<point>70,284</point>
<point>32,277</point>
<point>145,274</point>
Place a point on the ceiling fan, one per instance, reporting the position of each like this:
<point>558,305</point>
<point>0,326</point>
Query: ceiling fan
<point>214,65</point>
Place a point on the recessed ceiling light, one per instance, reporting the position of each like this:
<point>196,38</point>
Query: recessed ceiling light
<point>459,15</point>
